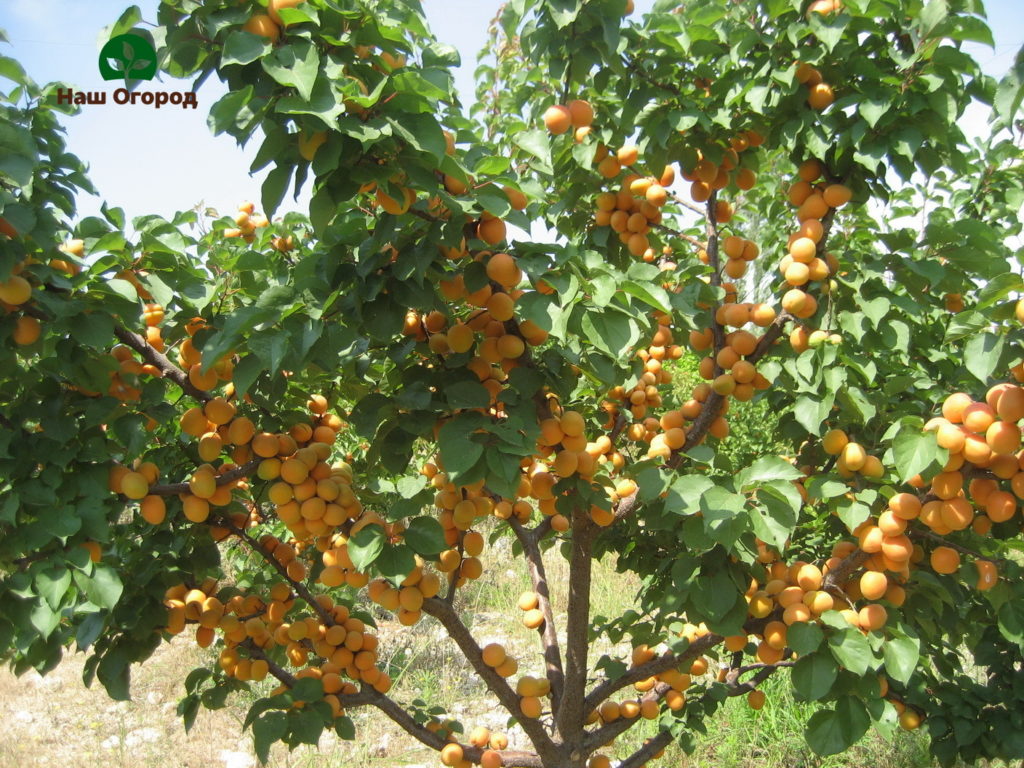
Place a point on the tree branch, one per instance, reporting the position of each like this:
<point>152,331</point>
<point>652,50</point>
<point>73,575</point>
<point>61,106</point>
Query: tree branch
<point>647,751</point>
<point>153,357</point>
<point>655,666</point>
<point>458,632</point>
<point>549,633</point>
<point>173,489</point>
<point>299,588</point>
<point>571,710</point>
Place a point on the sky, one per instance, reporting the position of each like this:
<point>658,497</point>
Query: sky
<point>171,157</point>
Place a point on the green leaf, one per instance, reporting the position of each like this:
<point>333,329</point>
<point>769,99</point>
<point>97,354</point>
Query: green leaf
<point>764,470</point>
<point>52,583</point>
<point>901,654</point>
<point>458,452</point>
<point>243,48</point>
<point>872,109</point>
<point>804,637</point>
<point>914,451</point>
<point>423,132</point>
<point>491,165</point>
<point>365,547</point>
<point>851,649</point>
<point>933,14</point>
<point>611,332</point>
<point>426,536</point>
<point>269,728</point>
<point>810,411</point>
<point>103,587</point>
<point>396,562</point>
<point>830,732</point>
<point>537,144</point>
<point>814,675</point>
<point>114,672</point>
<point>1010,619</point>
<point>275,186</point>
<point>981,355</point>
<point>776,516</point>
<point>1010,91</point>
<point>653,295</point>
<point>294,64</point>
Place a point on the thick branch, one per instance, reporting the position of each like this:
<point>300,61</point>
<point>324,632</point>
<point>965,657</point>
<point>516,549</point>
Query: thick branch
<point>606,733</point>
<point>153,357</point>
<point>655,666</point>
<point>458,632</point>
<point>773,332</point>
<point>391,708</point>
<point>571,711</point>
<point>837,576</point>
<point>643,755</point>
<point>549,633</point>
<point>276,670</point>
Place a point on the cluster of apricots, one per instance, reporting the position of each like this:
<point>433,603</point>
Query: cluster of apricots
<point>269,24</point>
<point>453,754</point>
<point>644,394</point>
<point>246,223</point>
<point>706,176</point>
<point>324,641</point>
<point>978,435</point>
<point>16,290</point>
<point>851,456</point>
<point>483,331</point>
<point>577,114</point>
<point>738,377</point>
<point>636,207</point>
<point>819,93</point>
<point>804,263</point>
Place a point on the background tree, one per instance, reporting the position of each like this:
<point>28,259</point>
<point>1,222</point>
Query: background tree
<point>353,399</point>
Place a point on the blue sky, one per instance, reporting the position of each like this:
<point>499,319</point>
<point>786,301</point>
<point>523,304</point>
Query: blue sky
<point>182,162</point>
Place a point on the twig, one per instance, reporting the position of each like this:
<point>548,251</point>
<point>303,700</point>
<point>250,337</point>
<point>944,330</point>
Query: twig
<point>297,586</point>
<point>153,357</point>
<point>173,489</point>
<point>687,204</point>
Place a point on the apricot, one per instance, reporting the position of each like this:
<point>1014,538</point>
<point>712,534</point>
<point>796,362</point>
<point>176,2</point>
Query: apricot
<point>262,25</point>
<point>557,119</point>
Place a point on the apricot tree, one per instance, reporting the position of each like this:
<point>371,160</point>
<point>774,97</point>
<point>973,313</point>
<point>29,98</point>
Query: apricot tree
<point>272,434</point>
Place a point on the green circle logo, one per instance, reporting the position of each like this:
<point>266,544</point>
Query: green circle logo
<point>128,57</point>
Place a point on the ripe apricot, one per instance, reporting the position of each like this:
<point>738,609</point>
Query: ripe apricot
<point>491,231</point>
<point>262,25</point>
<point>27,330</point>
<point>557,119</point>
<point>820,96</point>
<point>15,290</point>
<point>945,560</point>
<point>836,195</point>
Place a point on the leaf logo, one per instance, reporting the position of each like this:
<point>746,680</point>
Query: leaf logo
<point>128,57</point>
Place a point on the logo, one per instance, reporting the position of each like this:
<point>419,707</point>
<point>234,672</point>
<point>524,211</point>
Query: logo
<point>128,57</point>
